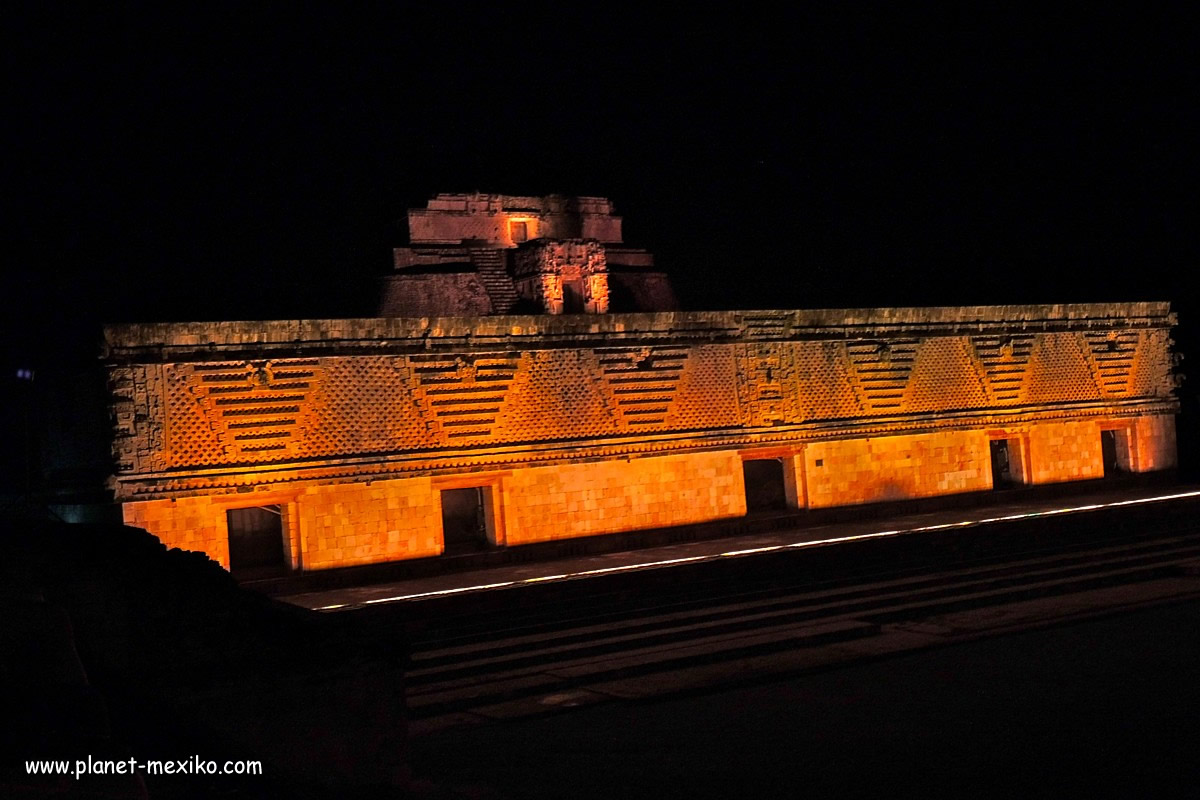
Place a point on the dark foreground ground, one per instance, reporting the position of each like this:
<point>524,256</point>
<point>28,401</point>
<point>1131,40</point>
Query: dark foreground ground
<point>113,646</point>
<point>1109,707</point>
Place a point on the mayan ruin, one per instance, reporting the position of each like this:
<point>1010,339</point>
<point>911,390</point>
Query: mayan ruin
<point>500,400</point>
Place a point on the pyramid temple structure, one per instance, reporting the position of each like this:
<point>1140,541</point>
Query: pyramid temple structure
<point>530,378</point>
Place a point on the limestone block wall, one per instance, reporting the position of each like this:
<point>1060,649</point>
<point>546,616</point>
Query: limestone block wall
<point>452,227</point>
<point>1066,451</point>
<point>604,227</point>
<point>324,526</point>
<point>362,523</point>
<point>855,471</point>
<point>487,217</point>
<point>1154,437</point>
<point>421,295</point>
<point>642,290</point>
<point>189,523</point>
<point>1071,450</point>
<point>590,424</point>
<point>545,503</point>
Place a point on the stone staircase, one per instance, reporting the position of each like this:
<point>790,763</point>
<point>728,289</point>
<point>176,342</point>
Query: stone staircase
<point>491,265</point>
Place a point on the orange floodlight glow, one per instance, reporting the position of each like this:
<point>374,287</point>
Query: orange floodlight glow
<point>771,548</point>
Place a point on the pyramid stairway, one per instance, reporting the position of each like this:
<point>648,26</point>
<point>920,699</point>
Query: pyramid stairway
<point>493,272</point>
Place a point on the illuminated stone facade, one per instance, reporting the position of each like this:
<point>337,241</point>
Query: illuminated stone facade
<point>359,432</point>
<point>479,254</point>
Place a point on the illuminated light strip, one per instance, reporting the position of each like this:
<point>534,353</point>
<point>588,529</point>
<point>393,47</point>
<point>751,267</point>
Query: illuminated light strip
<point>940,527</point>
<point>1152,499</point>
<point>440,592</point>
<point>483,586</point>
<point>769,548</point>
<point>754,550</point>
<point>640,566</point>
<point>839,539</point>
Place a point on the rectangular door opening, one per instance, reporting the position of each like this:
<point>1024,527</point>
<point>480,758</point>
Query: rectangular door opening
<point>1115,453</point>
<point>573,302</point>
<point>465,520</point>
<point>256,546</point>
<point>1002,467</point>
<point>764,482</point>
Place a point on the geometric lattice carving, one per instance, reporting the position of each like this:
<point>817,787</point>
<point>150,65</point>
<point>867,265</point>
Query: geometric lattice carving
<point>879,372</point>
<point>946,376</point>
<point>555,395</point>
<point>1111,355</point>
<point>823,381</point>
<point>642,381</point>
<point>1005,362</point>
<point>1152,375</point>
<point>462,394</point>
<point>251,410</point>
<point>1059,370</point>
<point>756,371</point>
<point>192,437</point>
<point>703,399</point>
<point>365,405</point>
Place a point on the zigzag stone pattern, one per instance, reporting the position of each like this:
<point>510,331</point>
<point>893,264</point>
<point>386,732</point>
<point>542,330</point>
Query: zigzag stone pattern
<point>461,395</point>
<point>597,378</point>
<point>1111,356</point>
<point>642,383</point>
<point>239,412</point>
<point>581,424</point>
<point>880,371</point>
<point>1005,364</point>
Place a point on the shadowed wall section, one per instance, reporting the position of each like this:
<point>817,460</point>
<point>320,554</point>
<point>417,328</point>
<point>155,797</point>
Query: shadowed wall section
<point>577,425</point>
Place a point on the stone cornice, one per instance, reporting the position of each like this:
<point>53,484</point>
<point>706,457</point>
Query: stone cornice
<point>214,341</point>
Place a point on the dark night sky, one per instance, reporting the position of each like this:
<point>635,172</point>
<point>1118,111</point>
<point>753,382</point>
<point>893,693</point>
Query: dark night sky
<point>170,166</point>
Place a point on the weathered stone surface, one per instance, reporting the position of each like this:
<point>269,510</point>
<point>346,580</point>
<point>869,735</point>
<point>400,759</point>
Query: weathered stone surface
<point>552,251</point>
<point>421,295</point>
<point>639,290</point>
<point>582,424</point>
<point>499,220</point>
<point>547,271</point>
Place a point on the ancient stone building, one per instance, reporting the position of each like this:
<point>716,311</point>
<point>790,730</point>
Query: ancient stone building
<point>480,254</point>
<point>323,443</point>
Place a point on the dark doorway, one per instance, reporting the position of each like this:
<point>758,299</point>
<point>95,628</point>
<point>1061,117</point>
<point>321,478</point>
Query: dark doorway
<point>1108,451</point>
<point>764,485</point>
<point>464,524</point>
<point>256,542</point>
<point>573,297</point>
<point>1002,471</point>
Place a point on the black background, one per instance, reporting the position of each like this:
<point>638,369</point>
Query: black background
<point>256,164</point>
